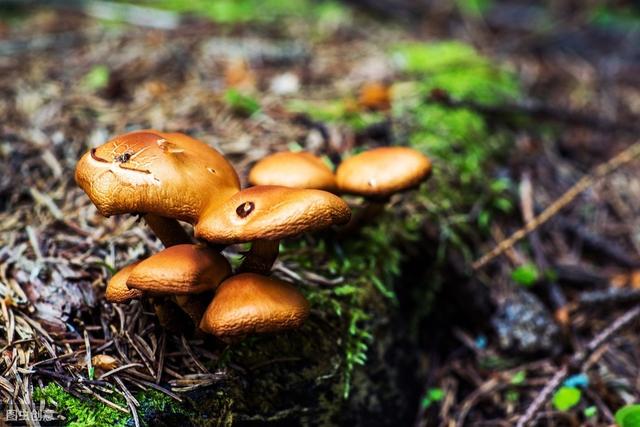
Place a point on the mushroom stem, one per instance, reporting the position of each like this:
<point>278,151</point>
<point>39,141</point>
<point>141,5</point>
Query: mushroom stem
<point>169,316</point>
<point>261,256</point>
<point>193,306</point>
<point>171,233</point>
<point>168,230</point>
<point>369,212</point>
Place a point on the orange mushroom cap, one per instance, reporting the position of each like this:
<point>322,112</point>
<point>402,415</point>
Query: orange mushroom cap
<point>168,174</point>
<point>383,171</point>
<point>271,213</point>
<point>117,290</point>
<point>293,169</point>
<point>180,270</point>
<point>251,303</point>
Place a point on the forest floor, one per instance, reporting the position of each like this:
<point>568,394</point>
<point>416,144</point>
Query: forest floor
<point>520,107</point>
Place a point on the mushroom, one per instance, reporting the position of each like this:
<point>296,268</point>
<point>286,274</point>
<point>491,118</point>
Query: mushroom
<point>251,303</point>
<point>379,173</point>
<point>293,169</point>
<point>104,362</point>
<point>181,271</point>
<point>117,290</point>
<point>165,176</point>
<point>265,214</point>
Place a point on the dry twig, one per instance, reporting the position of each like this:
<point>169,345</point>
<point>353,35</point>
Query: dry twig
<point>584,183</point>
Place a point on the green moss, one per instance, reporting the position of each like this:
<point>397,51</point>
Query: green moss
<point>457,68</point>
<point>79,412</point>
<point>235,11</point>
<point>152,400</point>
<point>462,143</point>
<point>89,412</point>
<point>422,58</point>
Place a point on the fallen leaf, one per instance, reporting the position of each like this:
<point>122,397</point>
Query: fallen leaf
<point>375,96</point>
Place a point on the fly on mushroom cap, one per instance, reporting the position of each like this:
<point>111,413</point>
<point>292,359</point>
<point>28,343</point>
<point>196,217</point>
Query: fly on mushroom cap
<point>168,174</point>
<point>293,169</point>
<point>250,303</point>
<point>180,270</point>
<point>383,171</point>
<point>272,213</point>
<point>117,290</point>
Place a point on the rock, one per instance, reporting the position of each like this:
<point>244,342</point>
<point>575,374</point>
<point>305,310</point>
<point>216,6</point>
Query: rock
<point>524,326</point>
<point>285,84</point>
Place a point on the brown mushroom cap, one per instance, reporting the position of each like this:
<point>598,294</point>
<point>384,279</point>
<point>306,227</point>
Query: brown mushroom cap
<point>180,270</point>
<point>251,303</point>
<point>271,213</point>
<point>293,169</point>
<point>383,171</point>
<point>117,290</point>
<point>168,174</point>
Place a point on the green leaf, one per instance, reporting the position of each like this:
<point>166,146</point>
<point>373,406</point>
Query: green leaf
<point>112,270</point>
<point>294,146</point>
<point>345,290</point>
<point>590,411</point>
<point>566,398</point>
<point>503,205</point>
<point>383,288</point>
<point>628,416</point>
<point>499,185</point>
<point>512,396</point>
<point>435,394</point>
<point>518,378</point>
<point>97,78</point>
<point>484,218</point>
<point>432,395</point>
<point>525,275</point>
<point>327,161</point>
<point>550,275</point>
<point>240,103</point>
<point>474,8</point>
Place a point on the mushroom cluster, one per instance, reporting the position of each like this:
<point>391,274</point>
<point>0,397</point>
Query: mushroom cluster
<point>170,177</point>
<point>375,175</point>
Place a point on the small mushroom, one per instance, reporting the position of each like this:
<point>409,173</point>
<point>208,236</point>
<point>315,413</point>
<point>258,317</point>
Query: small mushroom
<point>104,362</point>
<point>379,173</point>
<point>293,169</point>
<point>117,290</point>
<point>251,303</point>
<point>265,214</point>
<point>180,270</point>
